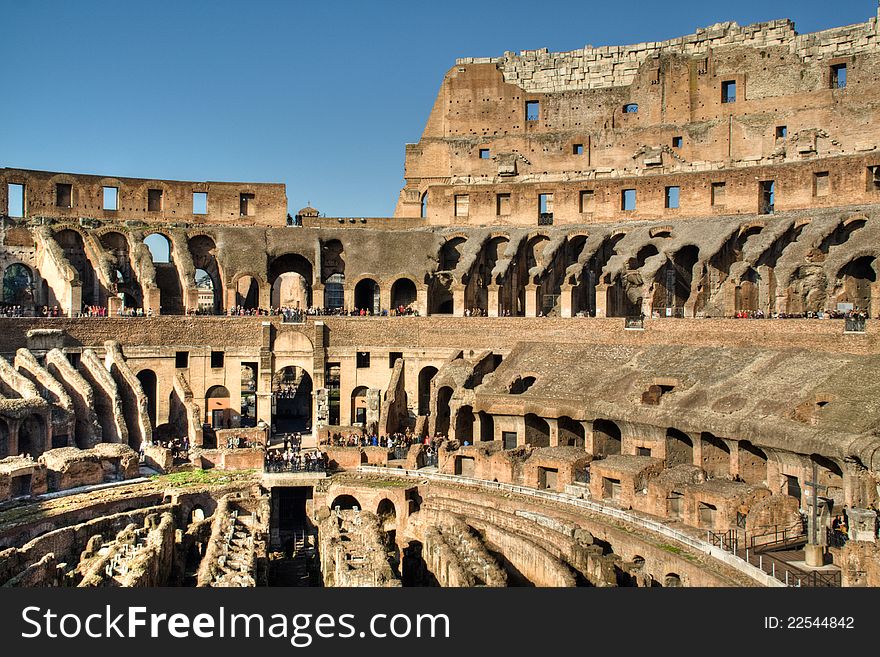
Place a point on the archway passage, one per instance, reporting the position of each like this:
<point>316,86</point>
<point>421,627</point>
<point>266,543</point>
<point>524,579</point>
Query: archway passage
<point>124,284</point>
<point>441,425</point>
<point>218,408</point>
<point>167,277</point>
<point>204,255</point>
<point>425,376</point>
<point>292,400</point>
<point>679,448</point>
<point>606,437</point>
<point>74,250</point>
<point>537,431</point>
<point>464,425</point>
<point>386,510</point>
<point>290,276</point>
<point>247,293</point>
<point>345,503</point>
<point>333,274</point>
<point>18,285</point>
<point>571,433</point>
<point>149,386</point>
<point>366,296</point>
<point>857,277</point>
<point>359,406</point>
<point>403,294</point>
<point>32,436</point>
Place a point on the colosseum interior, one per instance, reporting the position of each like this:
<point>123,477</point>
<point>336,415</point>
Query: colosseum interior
<point>620,331</point>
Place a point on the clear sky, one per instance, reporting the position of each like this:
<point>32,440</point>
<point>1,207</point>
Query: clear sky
<point>321,96</point>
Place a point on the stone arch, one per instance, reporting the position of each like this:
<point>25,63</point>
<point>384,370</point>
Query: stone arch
<point>290,277</point>
<point>606,437</point>
<point>32,436</point>
<point>537,431</point>
<point>359,406</point>
<point>292,399</point>
<point>149,384</point>
<point>218,408</point>
<point>672,580</point>
<point>366,296</point>
<point>72,244</point>
<point>856,278</point>
<point>197,514</point>
<point>345,503</point>
<point>18,285</point>
<point>441,424</point>
<point>464,424</point>
<point>571,433</point>
<point>752,463</point>
<point>203,250</point>
<point>333,273</point>
<point>673,281</point>
<point>715,455</point>
<point>679,448</point>
<point>167,278</point>
<point>247,291</point>
<point>403,293</point>
<point>426,374</point>
<point>450,253</point>
<point>386,510</point>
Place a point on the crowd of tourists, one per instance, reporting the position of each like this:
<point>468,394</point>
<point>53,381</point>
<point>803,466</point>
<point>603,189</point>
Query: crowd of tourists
<point>296,460</point>
<point>9,310</point>
<point>820,314</point>
<point>179,447</point>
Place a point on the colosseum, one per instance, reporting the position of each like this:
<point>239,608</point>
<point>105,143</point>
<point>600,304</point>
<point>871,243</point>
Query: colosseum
<point>619,332</point>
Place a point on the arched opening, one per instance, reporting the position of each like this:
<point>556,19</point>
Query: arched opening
<point>450,253</point>
<point>4,439</point>
<point>18,285</point>
<point>752,464</point>
<point>205,285</point>
<point>830,475</point>
<point>606,437</point>
<point>441,425</point>
<point>167,278</point>
<point>679,448</point>
<point>292,400</point>
<point>464,425</point>
<point>71,242</point>
<point>345,503</point>
<point>359,406</point>
<point>425,376</point>
<point>423,209</point>
<point>247,293</point>
<point>204,255</point>
<point>672,284</point>
<point>672,580</point>
<point>334,292</point>
<point>218,409</point>
<point>537,431</point>
<point>125,284</point>
<point>520,384</point>
<point>644,253</point>
<point>747,297</point>
<point>176,427</point>
<point>149,386</point>
<point>403,294</point>
<point>290,290</point>
<point>248,395</point>
<point>197,514</point>
<point>366,296</point>
<point>855,279</point>
<point>32,436</point>
<point>715,455</point>
<point>487,427</point>
<point>333,274</point>
<point>571,433</point>
<point>386,511</point>
<point>477,289</point>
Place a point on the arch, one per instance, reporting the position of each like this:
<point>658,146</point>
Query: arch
<point>829,474</point>
<point>487,426</point>
<point>218,408</point>
<point>159,246</point>
<point>441,425</point>
<point>571,433</point>
<point>150,387</point>
<point>856,278</point>
<point>715,454</point>
<point>606,437</point>
<point>359,406</point>
<point>73,245</point>
<point>18,285</point>
<point>32,436</point>
<point>291,400</point>
<point>167,277</point>
<point>423,207</point>
<point>426,374</point>
<point>537,431</point>
<point>403,293</point>
<point>203,250</point>
<point>197,514</point>
<point>290,276</point>
<point>752,463</point>
<point>520,384</point>
<point>464,425</point>
<point>345,503</point>
<point>672,580</point>
<point>679,448</point>
<point>450,253</point>
<point>643,254</point>
<point>366,295</point>
<point>247,292</point>
<point>334,292</point>
<point>672,283</point>
<point>386,510</point>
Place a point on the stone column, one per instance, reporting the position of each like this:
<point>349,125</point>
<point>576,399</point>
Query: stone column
<point>14,426</point>
<point>422,300</point>
<point>264,379</point>
<point>265,295</point>
<point>385,298</point>
<point>589,440</point>
<point>566,300</point>
<point>317,295</point>
<point>348,298</point>
<point>492,303</point>
<point>458,300</point>
<point>531,309</point>
<point>520,431</point>
<point>554,430</point>
<point>602,300</point>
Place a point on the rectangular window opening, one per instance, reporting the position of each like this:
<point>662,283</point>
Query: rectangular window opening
<point>873,179</point>
<point>728,91</point>
<point>628,199</point>
<point>672,194</point>
<point>577,149</point>
<point>63,195</point>
<point>15,200</point>
<point>781,132</point>
<point>217,358</point>
<point>462,205</point>
<point>393,357</point>
<point>247,205</point>
<point>838,76</point>
<point>677,142</point>
<point>587,201</point>
<point>821,183</point>
<point>508,439</point>
<point>719,193</point>
<point>363,359</point>
<point>767,196</point>
<point>200,203</point>
<point>631,108</point>
<point>533,110</point>
<point>502,205</point>
<point>154,200</point>
<point>111,198</point>
<point>484,154</point>
<point>545,209</point>
<point>181,359</point>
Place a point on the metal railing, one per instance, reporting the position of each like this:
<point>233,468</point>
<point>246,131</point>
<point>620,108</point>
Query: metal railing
<point>294,466</point>
<point>855,325</point>
<point>664,530</point>
<point>634,323</point>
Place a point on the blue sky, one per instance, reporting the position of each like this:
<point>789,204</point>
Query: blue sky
<point>319,96</point>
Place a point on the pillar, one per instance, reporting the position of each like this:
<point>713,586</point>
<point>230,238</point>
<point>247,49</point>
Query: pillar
<point>385,297</point>
<point>458,300</point>
<point>531,309</point>
<point>520,431</point>
<point>566,300</point>
<point>554,430</point>
<point>422,300</point>
<point>492,303</point>
<point>152,300</point>
<point>348,298</point>
<point>589,440</point>
<point>602,300</point>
